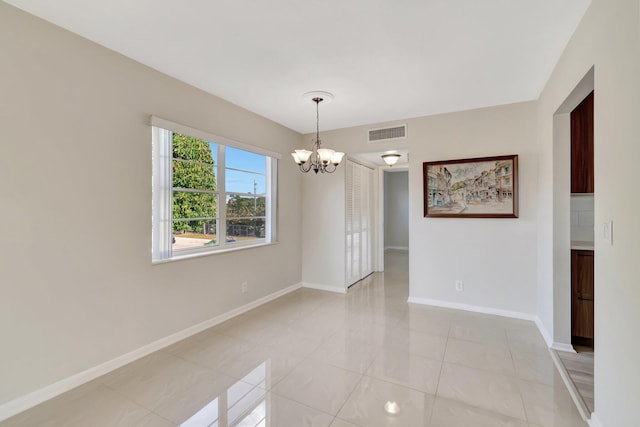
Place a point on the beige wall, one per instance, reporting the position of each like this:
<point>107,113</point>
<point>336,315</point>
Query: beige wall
<point>496,258</point>
<point>77,286</point>
<point>607,39</point>
<point>323,229</point>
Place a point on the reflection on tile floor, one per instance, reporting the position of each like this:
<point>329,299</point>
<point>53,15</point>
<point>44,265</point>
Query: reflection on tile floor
<point>317,359</point>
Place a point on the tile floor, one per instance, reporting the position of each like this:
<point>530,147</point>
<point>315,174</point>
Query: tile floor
<point>318,359</point>
<point>579,366</point>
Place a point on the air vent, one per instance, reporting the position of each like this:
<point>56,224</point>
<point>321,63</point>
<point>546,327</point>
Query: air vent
<point>385,134</point>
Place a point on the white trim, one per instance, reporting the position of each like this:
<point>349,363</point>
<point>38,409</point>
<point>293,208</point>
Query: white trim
<point>571,387</point>
<point>362,162</point>
<point>560,346</point>
<point>271,202</point>
<point>595,421</point>
<point>488,310</point>
<point>397,248</point>
<point>226,250</point>
<point>554,347</point>
<point>187,130</point>
<point>162,215</point>
<point>495,311</point>
<point>380,219</point>
<point>328,288</point>
<point>398,167</point>
<point>545,333</point>
<point>161,195</point>
<point>474,308</point>
<point>34,398</point>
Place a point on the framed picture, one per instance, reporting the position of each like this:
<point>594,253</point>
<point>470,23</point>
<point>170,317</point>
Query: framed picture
<point>485,187</point>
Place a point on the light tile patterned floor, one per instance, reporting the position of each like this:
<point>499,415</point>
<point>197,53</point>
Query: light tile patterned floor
<point>316,359</point>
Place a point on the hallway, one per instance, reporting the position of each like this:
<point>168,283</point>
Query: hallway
<point>312,358</point>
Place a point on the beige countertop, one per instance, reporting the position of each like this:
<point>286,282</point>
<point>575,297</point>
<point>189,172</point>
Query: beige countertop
<point>581,245</point>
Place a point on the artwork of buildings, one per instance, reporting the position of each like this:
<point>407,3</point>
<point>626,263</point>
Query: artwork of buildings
<point>494,184</point>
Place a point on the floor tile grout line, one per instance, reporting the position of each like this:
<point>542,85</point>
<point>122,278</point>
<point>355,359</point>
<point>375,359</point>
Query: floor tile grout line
<point>524,406</point>
<point>151,410</point>
<point>577,398</point>
<point>366,308</point>
<point>446,344</point>
<point>518,381</point>
<point>362,376</point>
<point>316,409</point>
<point>474,406</point>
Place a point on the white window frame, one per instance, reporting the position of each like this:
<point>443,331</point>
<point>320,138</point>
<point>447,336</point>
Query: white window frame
<point>162,189</point>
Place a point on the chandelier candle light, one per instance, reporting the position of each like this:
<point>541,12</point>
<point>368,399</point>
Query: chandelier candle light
<point>323,160</point>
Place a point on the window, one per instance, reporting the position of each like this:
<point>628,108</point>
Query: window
<point>209,193</point>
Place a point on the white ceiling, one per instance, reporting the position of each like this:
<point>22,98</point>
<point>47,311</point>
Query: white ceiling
<point>383,60</point>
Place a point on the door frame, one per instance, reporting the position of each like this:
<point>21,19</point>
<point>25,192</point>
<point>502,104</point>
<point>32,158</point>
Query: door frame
<point>561,213</point>
<point>379,261</point>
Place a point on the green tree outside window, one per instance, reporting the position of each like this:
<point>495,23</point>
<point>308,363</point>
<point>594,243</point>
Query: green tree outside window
<point>193,168</point>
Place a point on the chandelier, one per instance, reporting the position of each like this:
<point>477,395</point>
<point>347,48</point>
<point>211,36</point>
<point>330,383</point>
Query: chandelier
<point>323,160</point>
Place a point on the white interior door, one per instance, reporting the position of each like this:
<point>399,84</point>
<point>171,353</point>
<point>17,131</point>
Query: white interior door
<point>358,216</point>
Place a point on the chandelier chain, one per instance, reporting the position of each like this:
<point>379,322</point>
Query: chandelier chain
<point>317,101</point>
<point>323,160</point>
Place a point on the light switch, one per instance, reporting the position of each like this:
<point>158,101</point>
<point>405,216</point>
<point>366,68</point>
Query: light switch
<point>607,232</point>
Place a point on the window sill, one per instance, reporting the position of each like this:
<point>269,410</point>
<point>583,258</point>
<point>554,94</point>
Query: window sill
<point>211,252</point>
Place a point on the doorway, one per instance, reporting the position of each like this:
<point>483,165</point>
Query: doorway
<point>564,208</point>
<point>573,255</point>
<point>396,210</point>
<point>582,225</point>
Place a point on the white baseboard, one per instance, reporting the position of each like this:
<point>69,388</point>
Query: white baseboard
<point>595,421</point>
<point>591,419</point>
<point>498,312</point>
<point>474,308</point>
<point>545,333</point>
<point>32,399</point>
<point>571,387</point>
<point>397,248</point>
<point>489,310</point>
<point>327,288</point>
<point>560,346</point>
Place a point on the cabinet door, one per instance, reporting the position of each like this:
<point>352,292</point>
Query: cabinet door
<point>582,147</point>
<point>584,275</point>
<point>582,278</point>
<point>582,328</point>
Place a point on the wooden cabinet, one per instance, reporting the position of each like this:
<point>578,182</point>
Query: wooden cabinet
<point>582,147</point>
<point>582,279</point>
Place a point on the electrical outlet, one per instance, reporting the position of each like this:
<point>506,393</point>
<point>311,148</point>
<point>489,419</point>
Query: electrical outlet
<point>244,287</point>
<point>459,286</point>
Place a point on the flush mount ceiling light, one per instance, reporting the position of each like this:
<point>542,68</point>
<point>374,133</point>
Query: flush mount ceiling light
<point>391,158</point>
<point>323,160</point>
